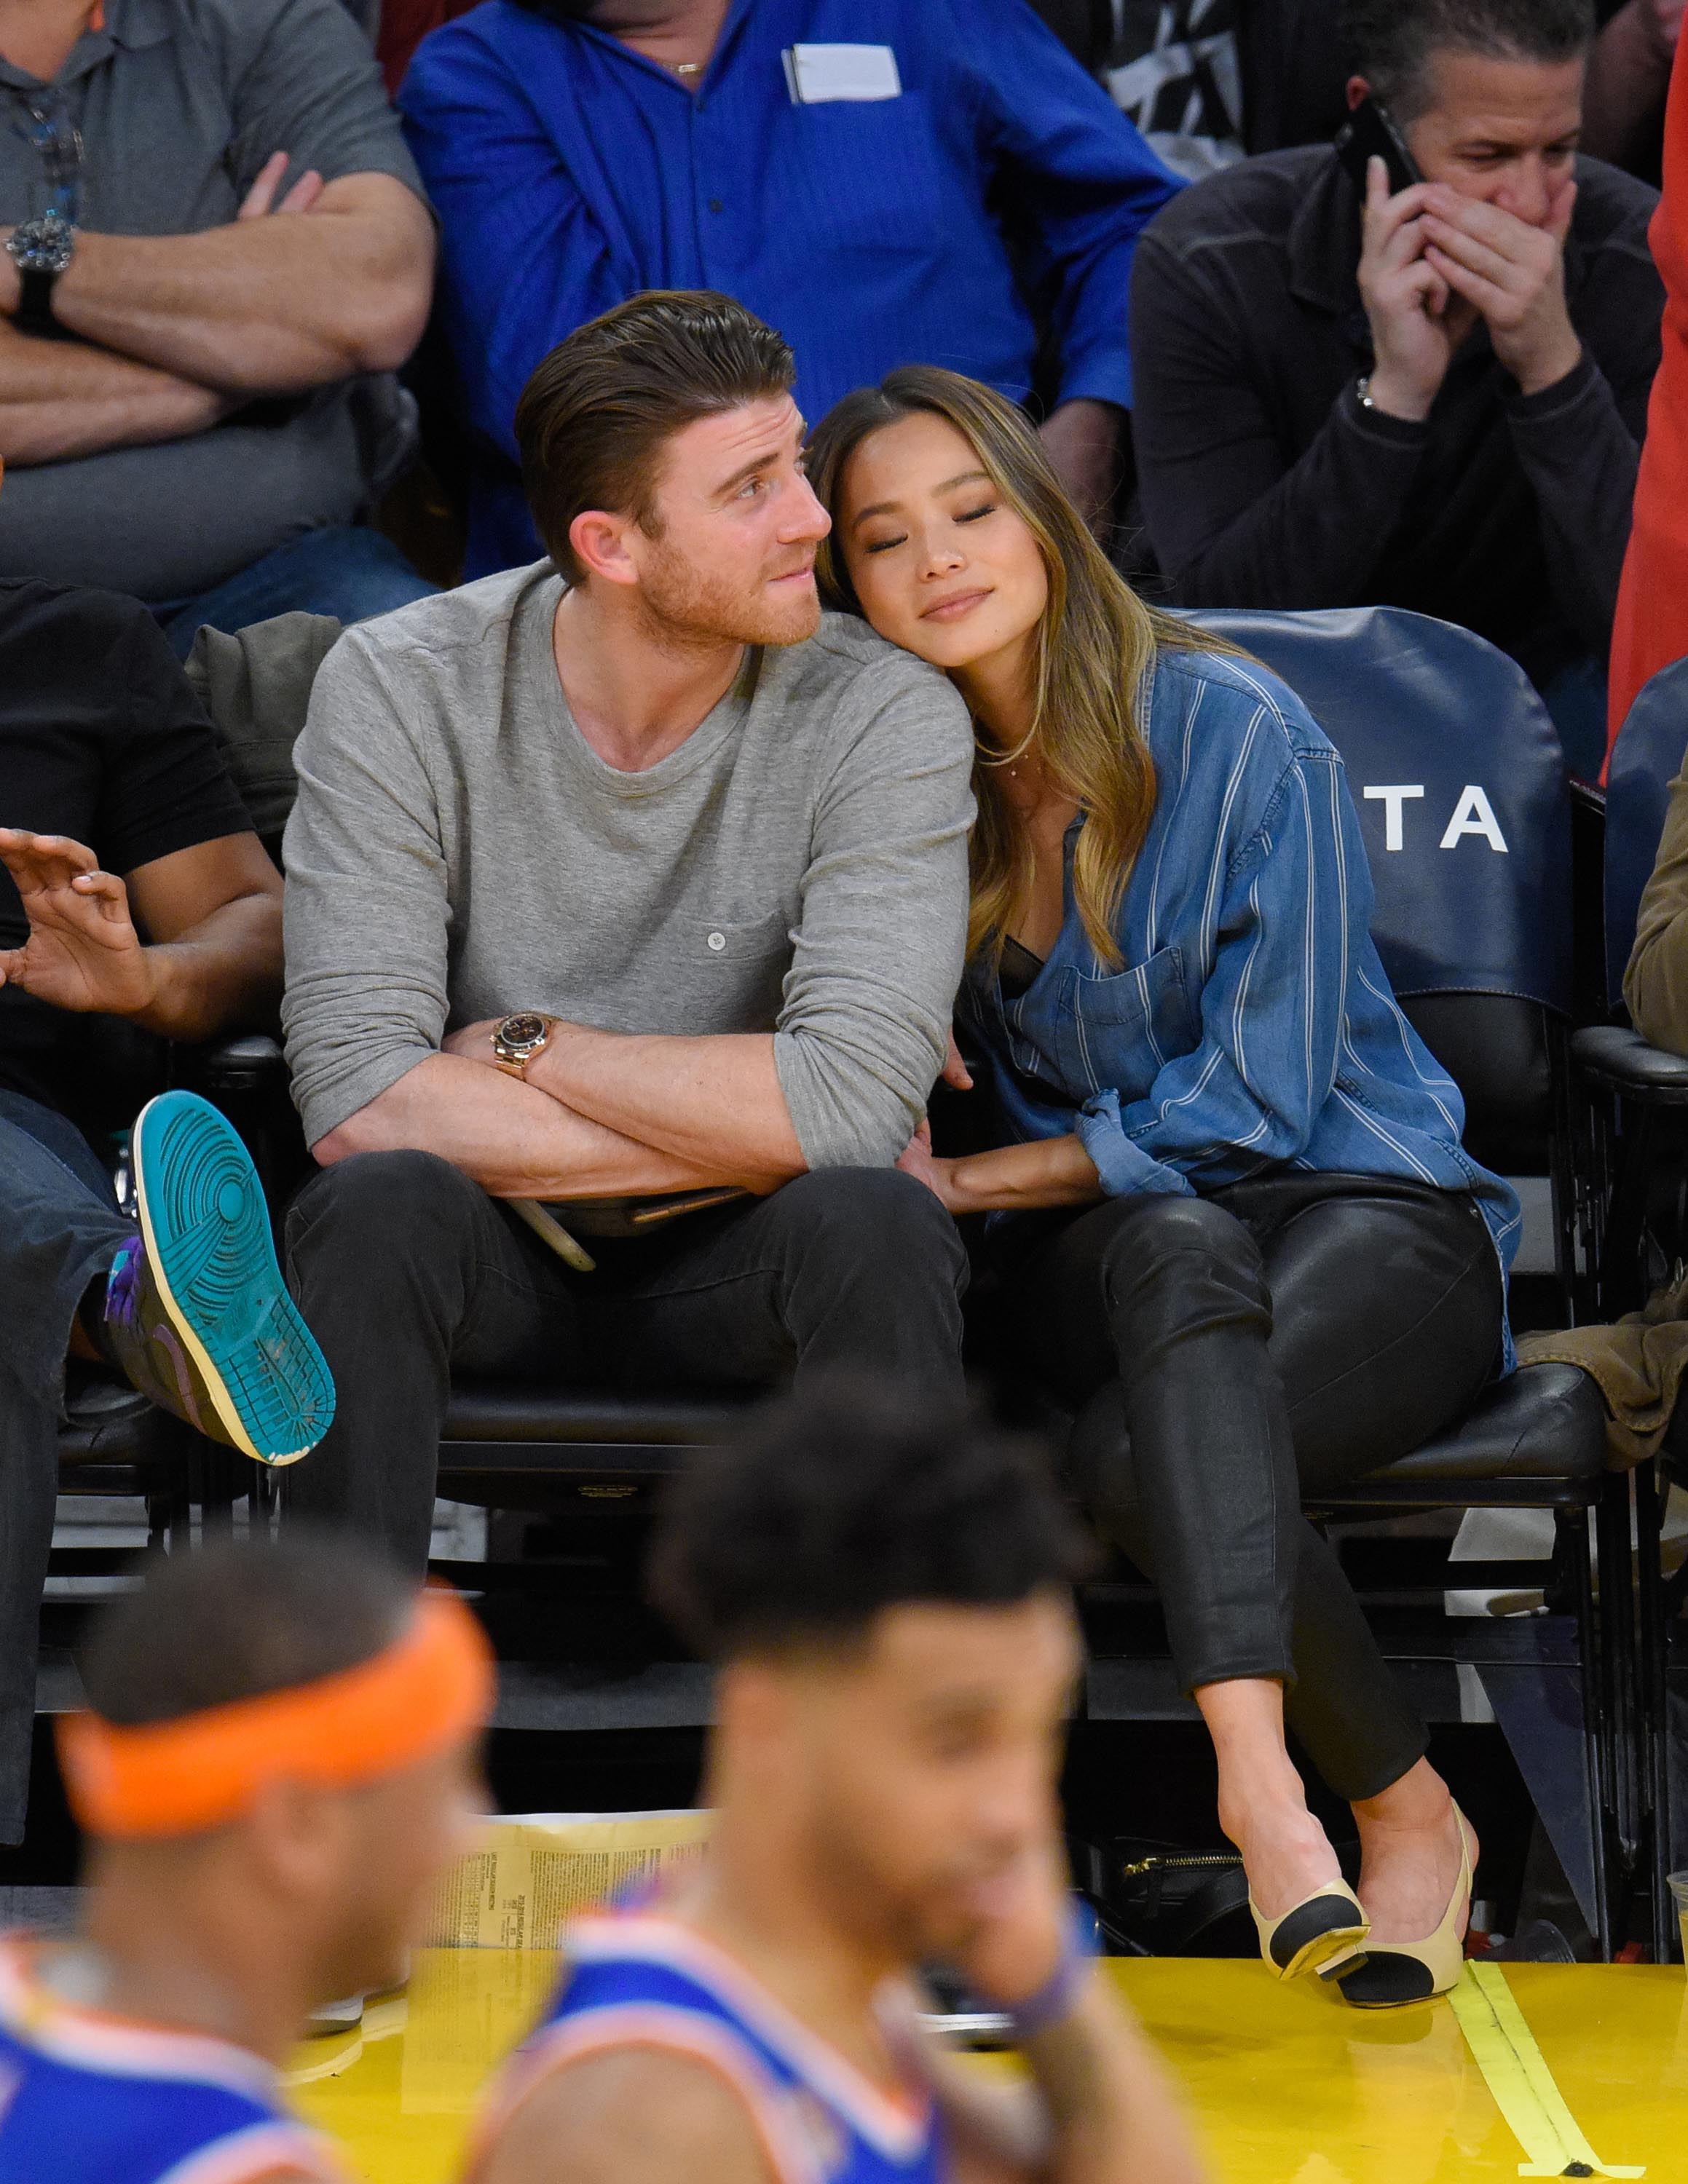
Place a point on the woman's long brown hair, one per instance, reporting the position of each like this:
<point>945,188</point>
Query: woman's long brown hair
<point>1095,652</point>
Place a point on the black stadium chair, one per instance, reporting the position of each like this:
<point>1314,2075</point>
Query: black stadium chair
<point>1459,781</point>
<point>1633,1159</point>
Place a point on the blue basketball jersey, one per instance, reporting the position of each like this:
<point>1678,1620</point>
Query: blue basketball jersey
<point>86,2098</point>
<point>638,1979</point>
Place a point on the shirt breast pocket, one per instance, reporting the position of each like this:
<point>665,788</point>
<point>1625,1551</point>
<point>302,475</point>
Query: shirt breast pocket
<point>1120,1030</point>
<point>739,966</point>
<point>867,173</point>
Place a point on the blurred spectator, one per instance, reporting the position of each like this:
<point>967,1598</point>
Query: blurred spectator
<point>1652,607</point>
<point>1628,81</point>
<point>854,194</point>
<point>1651,626</point>
<point>1207,81</point>
<point>404,25</point>
<point>134,889</point>
<point>241,234</point>
<point>1656,980</point>
<point>1177,72</point>
<point>1437,407</point>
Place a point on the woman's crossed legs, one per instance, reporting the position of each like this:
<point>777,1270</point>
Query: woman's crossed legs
<point>1232,1354</point>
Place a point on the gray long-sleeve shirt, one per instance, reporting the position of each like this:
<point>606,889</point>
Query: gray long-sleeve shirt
<point>458,850</point>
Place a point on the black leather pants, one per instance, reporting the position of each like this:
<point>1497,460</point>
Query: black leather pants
<point>1228,1354</point>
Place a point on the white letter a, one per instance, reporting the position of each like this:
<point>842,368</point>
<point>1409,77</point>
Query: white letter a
<point>1474,814</point>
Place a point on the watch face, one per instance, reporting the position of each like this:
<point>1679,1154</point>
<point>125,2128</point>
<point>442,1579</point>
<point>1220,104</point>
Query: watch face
<point>41,246</point>
<point>521,1031</point>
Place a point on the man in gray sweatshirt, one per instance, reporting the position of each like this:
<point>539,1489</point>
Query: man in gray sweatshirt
<point>626,874</point>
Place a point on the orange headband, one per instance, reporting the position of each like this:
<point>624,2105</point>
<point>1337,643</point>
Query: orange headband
<point>431,1686</point>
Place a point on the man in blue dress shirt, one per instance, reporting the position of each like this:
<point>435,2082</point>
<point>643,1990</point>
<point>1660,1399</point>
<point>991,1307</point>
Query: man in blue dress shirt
<point>887,181</point>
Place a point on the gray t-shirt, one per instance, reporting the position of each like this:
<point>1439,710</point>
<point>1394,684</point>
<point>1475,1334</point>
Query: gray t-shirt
<point>180,103</point>
<point>458,850</point>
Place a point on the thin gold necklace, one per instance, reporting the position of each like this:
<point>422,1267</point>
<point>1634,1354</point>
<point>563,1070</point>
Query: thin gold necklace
<point>1010,759</point>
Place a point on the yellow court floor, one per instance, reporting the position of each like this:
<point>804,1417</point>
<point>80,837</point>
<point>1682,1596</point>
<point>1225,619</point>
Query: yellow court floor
<point>1289,2084</point>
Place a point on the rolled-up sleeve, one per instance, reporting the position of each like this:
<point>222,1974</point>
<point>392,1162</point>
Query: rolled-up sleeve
<point>367,911</point>
<point>878,953</point>
<point>1297,903</point>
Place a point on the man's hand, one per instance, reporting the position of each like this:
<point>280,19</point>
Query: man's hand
<point>473,1042</point>
<point>955,1071</point>
<point>937,1174</point>
<point>83,952</point>
<point>1417,323</point>
<point>260,199</point>
<point>1081,439</point>
<point>1017,1945</point>
<point>1513,274</point>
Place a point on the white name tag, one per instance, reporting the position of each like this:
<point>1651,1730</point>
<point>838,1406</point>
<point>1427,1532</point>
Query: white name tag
<point>816,73</point>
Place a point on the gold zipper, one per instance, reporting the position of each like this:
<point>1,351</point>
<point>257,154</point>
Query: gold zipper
<point>1148,1864</point>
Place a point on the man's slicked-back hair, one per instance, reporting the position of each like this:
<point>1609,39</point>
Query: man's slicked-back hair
<point>592,420</point>
<point>841,1503</point>
<point>240,1619</point>
<point>1392,40</point>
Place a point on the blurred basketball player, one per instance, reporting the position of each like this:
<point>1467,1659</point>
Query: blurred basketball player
<point>886,1594</point>
<point>280,1760</point>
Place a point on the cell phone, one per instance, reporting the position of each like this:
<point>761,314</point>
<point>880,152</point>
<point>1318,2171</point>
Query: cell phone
<point>1370,133</point>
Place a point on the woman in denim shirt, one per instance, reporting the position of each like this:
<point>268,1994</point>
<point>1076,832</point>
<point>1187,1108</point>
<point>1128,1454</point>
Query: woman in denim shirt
<point>1248,1246</point>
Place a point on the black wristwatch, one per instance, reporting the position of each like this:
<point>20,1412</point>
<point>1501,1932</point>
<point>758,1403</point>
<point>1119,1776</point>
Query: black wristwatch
<point>41,249</point>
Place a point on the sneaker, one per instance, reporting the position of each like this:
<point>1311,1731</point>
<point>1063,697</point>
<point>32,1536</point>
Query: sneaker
<point>196,1310</point>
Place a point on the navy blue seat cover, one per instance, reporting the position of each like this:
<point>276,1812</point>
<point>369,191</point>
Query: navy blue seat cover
<point>1646,759</point>
<point>1452,729</point>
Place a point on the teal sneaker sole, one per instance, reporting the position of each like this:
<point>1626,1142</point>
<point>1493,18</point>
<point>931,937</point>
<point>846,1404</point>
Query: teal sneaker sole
<point>207,1233</point>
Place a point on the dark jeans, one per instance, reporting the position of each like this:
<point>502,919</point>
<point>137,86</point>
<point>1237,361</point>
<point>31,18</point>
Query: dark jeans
<point>59,1228</point>
<point>408,1273</point>
<point>1234,1353</point>
<point>347,571</point>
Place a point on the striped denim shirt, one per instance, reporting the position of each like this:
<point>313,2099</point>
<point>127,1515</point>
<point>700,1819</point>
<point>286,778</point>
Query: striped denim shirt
<point>1254,1023</point>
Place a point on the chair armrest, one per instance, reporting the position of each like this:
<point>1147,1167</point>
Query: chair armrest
<point>250,1061</point>
<point>1621,1060</point>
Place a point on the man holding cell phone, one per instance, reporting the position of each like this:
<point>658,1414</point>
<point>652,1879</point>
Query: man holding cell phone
<point>1413,369</point>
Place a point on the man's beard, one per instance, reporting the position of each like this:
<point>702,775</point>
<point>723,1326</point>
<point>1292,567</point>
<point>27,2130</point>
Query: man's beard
<point>688,609</point>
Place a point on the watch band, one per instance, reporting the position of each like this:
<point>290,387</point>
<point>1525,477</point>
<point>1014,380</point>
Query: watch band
<point>34,314</point>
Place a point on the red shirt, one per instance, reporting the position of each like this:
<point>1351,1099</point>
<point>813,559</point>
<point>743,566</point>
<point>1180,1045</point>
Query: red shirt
<point>1650,629</point>
<point>404,25</point>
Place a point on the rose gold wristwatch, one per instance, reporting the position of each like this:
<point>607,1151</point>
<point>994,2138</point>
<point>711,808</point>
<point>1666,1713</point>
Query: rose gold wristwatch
<point>518,1039</point>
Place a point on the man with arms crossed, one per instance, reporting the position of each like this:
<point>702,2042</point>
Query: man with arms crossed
<point>280,1761</point>
<point>711,851</point>
<point>884,1589</point>
<point>213,245</point>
